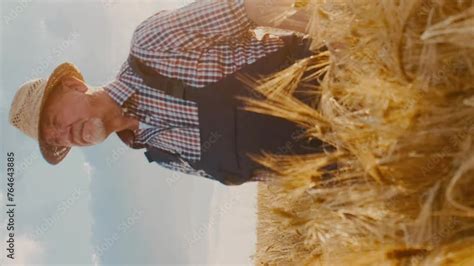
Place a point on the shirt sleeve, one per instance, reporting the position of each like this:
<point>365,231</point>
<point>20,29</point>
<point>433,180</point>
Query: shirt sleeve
<point>121,88</point>
<point>198,25</point>
<point>201,42</point>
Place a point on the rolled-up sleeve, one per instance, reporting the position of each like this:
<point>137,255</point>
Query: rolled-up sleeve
<point>198,25</point>
<point>201,42</point>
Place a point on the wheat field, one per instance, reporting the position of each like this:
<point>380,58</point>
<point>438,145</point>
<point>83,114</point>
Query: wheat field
<point>396,98</point>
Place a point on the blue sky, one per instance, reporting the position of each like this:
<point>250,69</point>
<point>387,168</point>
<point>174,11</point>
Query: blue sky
<point>105,204</point>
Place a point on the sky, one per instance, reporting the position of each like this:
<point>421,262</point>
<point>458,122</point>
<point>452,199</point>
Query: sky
<point>104,205</point>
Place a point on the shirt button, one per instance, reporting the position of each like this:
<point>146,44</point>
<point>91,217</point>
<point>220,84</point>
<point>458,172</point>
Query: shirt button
<point>147,119</point>
<point>125,110</point>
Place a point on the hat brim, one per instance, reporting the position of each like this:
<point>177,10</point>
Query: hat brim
<point>51,153</point>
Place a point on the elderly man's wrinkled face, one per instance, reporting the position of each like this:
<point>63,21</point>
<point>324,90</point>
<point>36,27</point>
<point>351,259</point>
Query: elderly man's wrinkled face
<point>71,117</point>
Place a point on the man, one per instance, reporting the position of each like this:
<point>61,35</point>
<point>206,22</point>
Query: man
<point>175,95</point>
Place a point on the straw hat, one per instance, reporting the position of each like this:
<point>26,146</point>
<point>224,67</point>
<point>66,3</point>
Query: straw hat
<point>28,104</point>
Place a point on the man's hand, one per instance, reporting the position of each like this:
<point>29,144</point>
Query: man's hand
<point>291,15</point>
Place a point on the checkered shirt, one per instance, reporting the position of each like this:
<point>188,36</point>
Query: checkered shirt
<point>199,44</point>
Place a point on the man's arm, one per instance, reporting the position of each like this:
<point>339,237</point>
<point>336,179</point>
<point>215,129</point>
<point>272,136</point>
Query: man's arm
<point>283,14</point>
<point>196,26</point>
<point>201,42</point>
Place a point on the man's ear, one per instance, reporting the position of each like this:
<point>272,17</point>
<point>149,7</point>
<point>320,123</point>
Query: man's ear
<point>72,83</point>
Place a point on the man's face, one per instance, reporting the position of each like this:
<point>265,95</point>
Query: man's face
<point>71,117</point>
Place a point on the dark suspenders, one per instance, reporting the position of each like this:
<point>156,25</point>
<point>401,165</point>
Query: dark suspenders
<point>169,86</point>
<point>165,156</point>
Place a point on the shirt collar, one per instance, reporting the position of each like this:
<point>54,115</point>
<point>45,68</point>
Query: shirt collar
<point>119,91</point>
<point>128,137</point>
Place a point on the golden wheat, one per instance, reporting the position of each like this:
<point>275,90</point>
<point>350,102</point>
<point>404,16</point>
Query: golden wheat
<point>397,100</point>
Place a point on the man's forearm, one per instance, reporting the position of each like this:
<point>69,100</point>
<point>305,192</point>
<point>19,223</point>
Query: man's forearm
<point>279,14</point>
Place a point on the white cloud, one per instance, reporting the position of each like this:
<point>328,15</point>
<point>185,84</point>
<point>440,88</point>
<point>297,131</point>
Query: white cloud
<point>95,259</point>
<point>27,251</point>
<point>88,169</point>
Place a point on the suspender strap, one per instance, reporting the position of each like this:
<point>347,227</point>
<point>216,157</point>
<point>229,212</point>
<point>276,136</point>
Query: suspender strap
<point>169,86</point>
<point>175,87</point>
<point>159,155</point>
